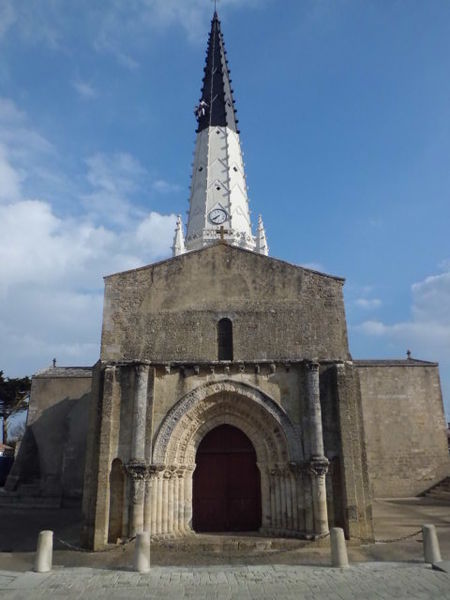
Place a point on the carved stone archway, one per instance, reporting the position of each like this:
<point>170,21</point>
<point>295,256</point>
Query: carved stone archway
<point>276,441</point>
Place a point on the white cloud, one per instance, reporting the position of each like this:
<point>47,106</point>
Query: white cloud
<point>84,89</point>
<point>314,266</point>
<point>51,264</point>
<point>17,134</point>
<point>368,303</point>
<point>118,27</point>
<point>7,16</point>
<point>132,21</point>
<point>427,332</point>
<point>165,187</point>
<point>9,178</point>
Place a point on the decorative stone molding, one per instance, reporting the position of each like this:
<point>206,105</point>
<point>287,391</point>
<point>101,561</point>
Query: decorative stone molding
<point>138,471</point>
<point>318,466</point>
<point>214,403</point>
<point>312,365</point>
<point>155,470</point>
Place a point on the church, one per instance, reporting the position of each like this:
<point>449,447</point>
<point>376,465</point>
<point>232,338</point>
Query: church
<point>226,397</point>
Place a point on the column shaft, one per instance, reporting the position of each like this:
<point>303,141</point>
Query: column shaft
<point>139,413</point>
<point>319,463</point>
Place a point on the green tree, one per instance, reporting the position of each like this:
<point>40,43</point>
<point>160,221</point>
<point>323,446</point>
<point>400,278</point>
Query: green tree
<point>14,395</point>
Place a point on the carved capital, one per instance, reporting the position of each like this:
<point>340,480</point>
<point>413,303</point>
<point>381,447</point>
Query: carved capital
<point>155,470</point>
<point>138,471</point>
<point>312,365</point>
<point>140,369</point>
<point>278,470</point>
<point>318,466</point>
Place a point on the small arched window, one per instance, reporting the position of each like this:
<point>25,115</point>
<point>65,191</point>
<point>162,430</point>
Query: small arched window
<point>225,339</point>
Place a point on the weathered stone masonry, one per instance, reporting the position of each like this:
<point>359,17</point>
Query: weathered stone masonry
<point>291,451</point>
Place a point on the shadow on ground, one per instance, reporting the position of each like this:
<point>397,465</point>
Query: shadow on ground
<point>394,518</point>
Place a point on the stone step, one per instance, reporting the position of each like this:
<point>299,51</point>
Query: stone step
<point>219,543</point>
<point>440,491</point>
<point>444,495</point>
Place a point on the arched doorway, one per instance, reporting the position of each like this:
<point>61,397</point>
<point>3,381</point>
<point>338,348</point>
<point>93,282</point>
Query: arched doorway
<point>226,483</point>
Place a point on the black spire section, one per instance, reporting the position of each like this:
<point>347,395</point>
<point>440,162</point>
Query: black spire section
<point>216,107</point>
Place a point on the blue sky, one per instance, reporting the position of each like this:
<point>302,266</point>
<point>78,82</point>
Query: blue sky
<point>344,109</point>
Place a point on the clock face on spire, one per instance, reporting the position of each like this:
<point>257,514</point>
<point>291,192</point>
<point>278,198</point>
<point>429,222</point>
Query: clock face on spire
<point>218,216</point>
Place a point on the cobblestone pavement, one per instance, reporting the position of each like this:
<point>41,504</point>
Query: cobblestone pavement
<point>377,581</point>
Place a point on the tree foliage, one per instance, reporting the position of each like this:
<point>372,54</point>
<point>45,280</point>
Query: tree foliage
<point>14,393</point>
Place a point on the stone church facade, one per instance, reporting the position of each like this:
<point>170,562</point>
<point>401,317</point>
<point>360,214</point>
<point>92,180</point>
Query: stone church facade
<point>286,383</point>
<point>225,396</point>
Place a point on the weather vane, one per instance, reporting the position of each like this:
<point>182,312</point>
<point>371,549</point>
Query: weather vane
<point>215,5</point>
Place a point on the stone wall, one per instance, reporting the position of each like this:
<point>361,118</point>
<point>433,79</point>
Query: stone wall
<point>269,401</point>
<point>404,425</point>
<point>169,310</point>
<point>56,434</point>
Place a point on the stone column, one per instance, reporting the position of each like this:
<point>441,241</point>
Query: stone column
<point>188,499</point>
<point>137,467</point>
<point>148,504</point>
<point>138,473</point>
<point>139,413</point>
<point>181,472</point>
<point>318,462</point>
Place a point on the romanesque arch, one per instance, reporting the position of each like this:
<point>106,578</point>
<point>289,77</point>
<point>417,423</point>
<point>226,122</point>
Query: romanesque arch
<point>277,443</point>
<point>260,417</point>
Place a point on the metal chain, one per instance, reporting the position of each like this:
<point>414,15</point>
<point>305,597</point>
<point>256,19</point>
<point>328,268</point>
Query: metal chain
<point>80,549</point>
<point>128,541</point>
<point>399,539</point>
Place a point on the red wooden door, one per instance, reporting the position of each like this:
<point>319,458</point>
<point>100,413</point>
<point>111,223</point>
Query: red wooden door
<point>226,486</point>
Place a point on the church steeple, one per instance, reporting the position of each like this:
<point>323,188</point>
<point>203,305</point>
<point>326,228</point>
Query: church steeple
<point>217,95</point>
<point>218,196</point>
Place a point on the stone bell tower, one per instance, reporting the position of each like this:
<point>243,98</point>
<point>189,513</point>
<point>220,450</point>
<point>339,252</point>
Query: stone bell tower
<point>219,199</point>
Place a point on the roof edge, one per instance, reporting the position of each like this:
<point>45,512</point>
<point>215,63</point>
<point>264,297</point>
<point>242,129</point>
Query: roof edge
<point>235,248</point>
<point>394,362</point>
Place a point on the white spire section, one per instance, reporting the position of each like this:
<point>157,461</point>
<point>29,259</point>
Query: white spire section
<point>261,240</point>
<point>178,240</point>
<point>218,191</point>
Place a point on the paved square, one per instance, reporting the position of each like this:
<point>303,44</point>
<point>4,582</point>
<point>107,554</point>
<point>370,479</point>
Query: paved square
<point>377,581</point>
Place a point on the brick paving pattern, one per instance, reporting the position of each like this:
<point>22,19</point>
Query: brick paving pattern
<point>377,581</point>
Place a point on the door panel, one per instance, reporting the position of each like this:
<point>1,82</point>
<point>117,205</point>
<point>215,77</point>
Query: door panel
<point>226,486</point>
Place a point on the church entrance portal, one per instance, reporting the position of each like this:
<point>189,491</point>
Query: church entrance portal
<point>226,483</point>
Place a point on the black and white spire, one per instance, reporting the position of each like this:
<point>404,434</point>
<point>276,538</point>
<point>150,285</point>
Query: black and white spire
<point>217,95</point>
<point>219,202</point>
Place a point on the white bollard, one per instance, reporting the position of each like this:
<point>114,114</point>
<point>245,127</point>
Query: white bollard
<point>44,552</point>
<point>431,551</point>
<point>142,552</point>
<point>339,556</point>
